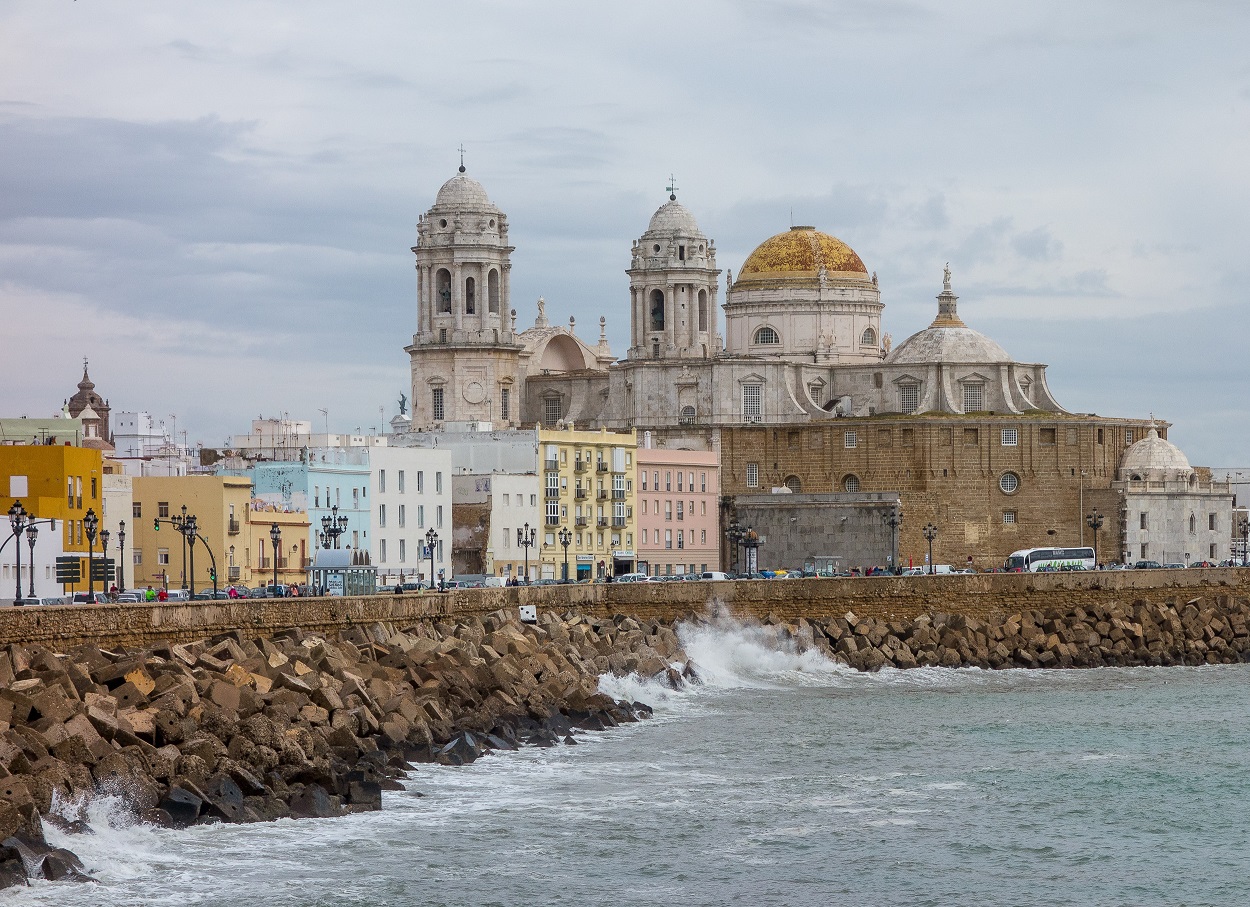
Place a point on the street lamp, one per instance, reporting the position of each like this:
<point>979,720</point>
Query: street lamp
<point>734,533</point>
<point>1094,521</point>
<point>1245,542</point>
<point>121,552</point>
<point>894,519</point>
<point>90,524</point>
<point>930,533</point>
<point>332,527</point>
<point>430,538</point>
<point>751,541</point>
<point>104,554</point>
<point>565,538</point>
<point>180,524</point>
<point>32,532</point>
<point>275,536</point>
<point>189,530</point>
<point>17,519</point>
<point>525,538</point>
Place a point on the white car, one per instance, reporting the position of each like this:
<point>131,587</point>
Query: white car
<point>713,574</point>
<point>632,578</point>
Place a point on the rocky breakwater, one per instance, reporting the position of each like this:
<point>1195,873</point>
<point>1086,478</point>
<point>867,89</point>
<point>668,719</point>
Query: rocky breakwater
<point>1194,631</point>
<point>241,729</point>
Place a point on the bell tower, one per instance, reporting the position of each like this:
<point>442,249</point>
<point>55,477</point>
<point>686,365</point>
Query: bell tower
<point>673,288</point>
<point>465,353</point>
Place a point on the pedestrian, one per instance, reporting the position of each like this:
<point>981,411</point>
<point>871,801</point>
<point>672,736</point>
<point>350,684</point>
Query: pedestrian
<point>149,595</point>
<point>399,588</point>
<point>162,595</point>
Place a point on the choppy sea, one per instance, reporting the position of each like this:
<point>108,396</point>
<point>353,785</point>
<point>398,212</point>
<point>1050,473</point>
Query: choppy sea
<point>782,780</point>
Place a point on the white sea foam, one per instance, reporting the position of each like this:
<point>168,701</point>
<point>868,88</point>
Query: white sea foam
<point>728,654</point>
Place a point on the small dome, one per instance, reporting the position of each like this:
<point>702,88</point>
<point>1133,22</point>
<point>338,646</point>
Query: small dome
<point>1153,454</point>
<point>674,218</point>
<point>802,252</point>
<point>948,344</point>
<point>463,192</point>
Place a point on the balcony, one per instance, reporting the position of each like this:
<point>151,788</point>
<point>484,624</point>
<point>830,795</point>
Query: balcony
<point>232,526</point>
<point>551,465</point>
<point>618,522</point>
<point>580,465</point>
<point>601,466</point>
<point>551,493</point>
<point>553,520</point>
<point>618,494</point>
<point>582,522</point>
<point>603,494</point>
<point>603,522</point>
<point>581,494</point>
<point>234,574</point>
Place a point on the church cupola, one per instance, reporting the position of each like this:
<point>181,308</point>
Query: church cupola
<point>673,288</point>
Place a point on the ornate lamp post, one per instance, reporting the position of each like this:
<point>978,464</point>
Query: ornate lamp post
<point>430,538</point>
<point>190,529</point>
<point>17,519</point>
<point>90,525</point>
<point>734,534</point>
<point>104,555</point>
<point>32,533</point>
<point>121,555</point>
<point>751,542</point>
<point>332,527</point>
<point>1094,522</point>
<point>525,538</point>
<point>1245,542</point>
<point>894,519</point>
<point>275,536</point>
<point>180,524</point>
<point>565,538</point>
<point>930,533</point>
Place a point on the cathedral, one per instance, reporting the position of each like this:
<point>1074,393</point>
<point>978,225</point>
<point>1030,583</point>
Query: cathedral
<point>798,390</point>
<point>801,341</point>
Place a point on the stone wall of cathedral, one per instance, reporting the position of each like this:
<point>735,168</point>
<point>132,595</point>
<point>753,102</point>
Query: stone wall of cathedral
<point>992,484</point>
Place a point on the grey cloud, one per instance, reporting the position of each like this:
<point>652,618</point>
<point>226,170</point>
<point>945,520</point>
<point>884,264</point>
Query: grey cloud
<point>1037,245</point>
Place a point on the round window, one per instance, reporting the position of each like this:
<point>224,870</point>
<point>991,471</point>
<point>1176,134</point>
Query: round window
<point>443,222</point>
<point>492,222</point>
<point>851,484</point>
<point>1009,482</point>
<point>657,247</point>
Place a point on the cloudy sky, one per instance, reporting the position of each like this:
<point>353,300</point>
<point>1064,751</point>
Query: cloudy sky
<point>215,201</point>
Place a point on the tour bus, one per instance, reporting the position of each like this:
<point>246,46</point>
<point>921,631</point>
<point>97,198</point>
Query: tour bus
<point>1031,560</point>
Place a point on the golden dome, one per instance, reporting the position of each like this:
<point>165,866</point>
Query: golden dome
<point>801,252</point>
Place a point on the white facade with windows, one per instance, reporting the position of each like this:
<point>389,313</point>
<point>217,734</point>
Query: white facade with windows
<point>411,495</point>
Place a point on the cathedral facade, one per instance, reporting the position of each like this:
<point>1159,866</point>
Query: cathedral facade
<point>797,388</point>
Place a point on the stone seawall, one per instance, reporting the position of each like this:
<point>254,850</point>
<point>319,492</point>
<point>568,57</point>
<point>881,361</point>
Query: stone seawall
<point>885,598</point>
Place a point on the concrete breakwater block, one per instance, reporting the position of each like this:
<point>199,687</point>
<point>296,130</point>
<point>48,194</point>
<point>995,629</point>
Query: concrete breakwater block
<point>241,728</point>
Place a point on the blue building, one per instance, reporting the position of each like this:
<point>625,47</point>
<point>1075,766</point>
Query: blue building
<point>325,482</point>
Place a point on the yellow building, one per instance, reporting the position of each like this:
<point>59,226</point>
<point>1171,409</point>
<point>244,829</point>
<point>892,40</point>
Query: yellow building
<point>588,492</point>
<point>61,483</point>
<point>293,555</point>
<point>220,505</point>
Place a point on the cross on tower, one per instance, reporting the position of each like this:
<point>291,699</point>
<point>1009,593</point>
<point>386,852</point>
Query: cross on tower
<point>461,150</point>
<point>672,188</point>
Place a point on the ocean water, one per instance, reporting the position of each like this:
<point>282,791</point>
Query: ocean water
<point>782,780</point>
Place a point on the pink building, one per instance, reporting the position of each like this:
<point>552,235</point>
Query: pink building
<point>678,493</point>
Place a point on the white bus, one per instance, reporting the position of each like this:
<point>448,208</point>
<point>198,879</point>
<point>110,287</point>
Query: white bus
<point>1031,560</point>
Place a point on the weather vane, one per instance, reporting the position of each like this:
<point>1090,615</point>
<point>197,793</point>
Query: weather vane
<point>672,188</point>
<point>461,150</point>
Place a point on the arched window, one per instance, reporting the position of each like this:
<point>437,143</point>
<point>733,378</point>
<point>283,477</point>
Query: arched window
<point>794,483</point>
<point>657,310</point>
<point>703,310</point>
<point>766,336</point>
<point>851,484</point>
<point>443,283</point>
<point>1193,524</point>
<point>492,291</point>
<point>470,296</point>
<point>869,338</point>
<point>687,416</point>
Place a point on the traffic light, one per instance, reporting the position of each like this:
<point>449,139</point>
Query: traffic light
<point>156,524</point>
<point>212,574</point>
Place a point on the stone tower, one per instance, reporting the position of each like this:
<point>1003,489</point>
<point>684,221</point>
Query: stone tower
<point>465,353</point>
<point>93,408</point>
<point>673,288</point>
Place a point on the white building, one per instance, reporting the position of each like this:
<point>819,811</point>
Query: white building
<point>488,511</point>
<point>145,446</point>
<point>412,496</point>
<point>1172,513</point>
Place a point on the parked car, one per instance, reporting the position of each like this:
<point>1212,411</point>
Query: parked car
<point>88,598</point>
<point>208,595</point>
<point>1173,566</point>
<point>125,598</point>
<point>1147,565</point>
<point>713,575</point>
<point>633,578</point>
<point>41,600</point>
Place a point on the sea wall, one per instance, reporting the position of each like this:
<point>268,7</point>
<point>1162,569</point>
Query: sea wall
<point>887,598</point>
<point>240,728</point>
